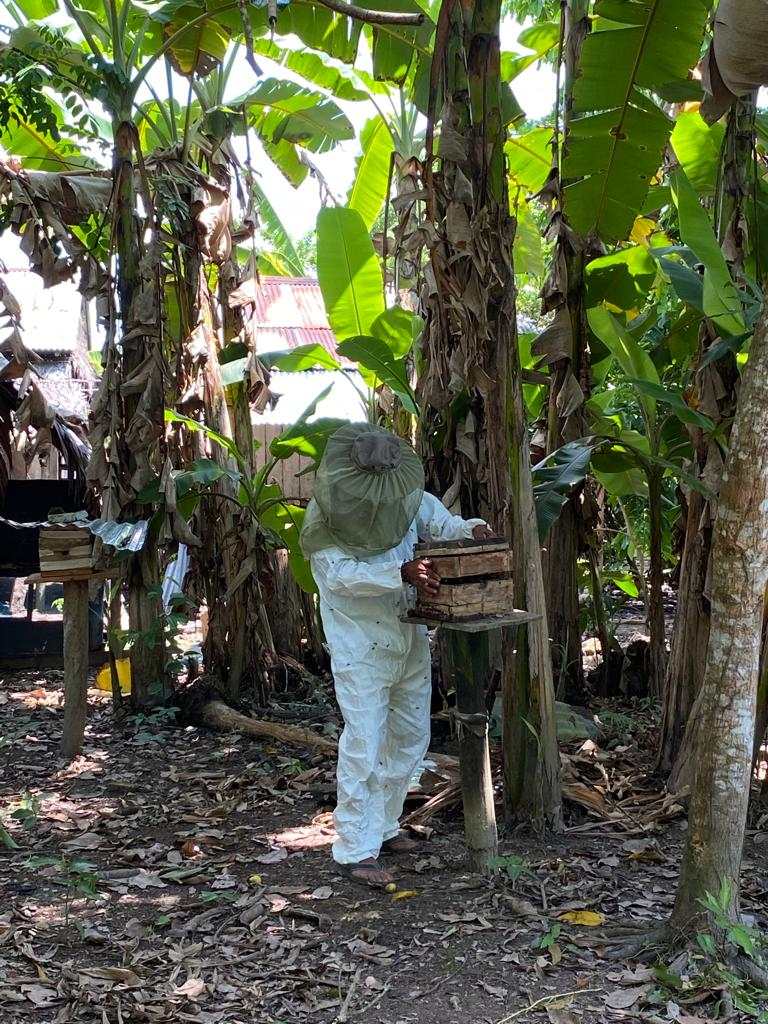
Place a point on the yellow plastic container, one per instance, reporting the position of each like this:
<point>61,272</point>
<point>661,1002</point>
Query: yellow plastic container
<point>104,676</point>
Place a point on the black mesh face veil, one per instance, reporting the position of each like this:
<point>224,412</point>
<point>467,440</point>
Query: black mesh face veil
<point>368,489</point>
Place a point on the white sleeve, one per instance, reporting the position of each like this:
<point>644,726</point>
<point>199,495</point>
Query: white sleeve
<point>342,574</point>
<point>435,522</point>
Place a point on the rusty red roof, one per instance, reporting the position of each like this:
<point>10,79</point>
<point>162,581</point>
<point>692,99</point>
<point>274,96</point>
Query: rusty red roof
<point>289,312</point>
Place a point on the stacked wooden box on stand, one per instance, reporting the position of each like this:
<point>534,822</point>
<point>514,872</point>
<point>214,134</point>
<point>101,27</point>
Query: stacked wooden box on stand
<point>65,548</point>
<point>476,580</point>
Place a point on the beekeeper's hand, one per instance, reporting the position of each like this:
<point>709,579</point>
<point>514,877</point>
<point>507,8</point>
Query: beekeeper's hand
<point>482,532</point>
<point>420,573</point>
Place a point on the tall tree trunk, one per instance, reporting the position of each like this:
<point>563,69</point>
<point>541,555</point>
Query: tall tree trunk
<point>720,796</point>
<point>141,384</point>
<point>474,423</point>
<point>715,386</point>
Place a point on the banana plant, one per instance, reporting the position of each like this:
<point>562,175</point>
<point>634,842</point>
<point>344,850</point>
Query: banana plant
<point>658,448</point>
<point>278,519</point>
<point>628,72</point>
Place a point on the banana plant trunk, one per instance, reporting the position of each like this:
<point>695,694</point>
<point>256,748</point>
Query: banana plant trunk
<point>720,795</point>
<point>141,422</point>
<point>252,653</point>
<point>690,634</point>
<point>564,422</point>
<point>474,426</point>
<point>656,623</point>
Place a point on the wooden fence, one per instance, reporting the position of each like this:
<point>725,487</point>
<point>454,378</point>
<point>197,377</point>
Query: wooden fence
<point>296,488</point>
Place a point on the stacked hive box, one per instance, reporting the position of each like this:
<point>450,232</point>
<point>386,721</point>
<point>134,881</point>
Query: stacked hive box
<point>476,580</point>
<point>65,548</point>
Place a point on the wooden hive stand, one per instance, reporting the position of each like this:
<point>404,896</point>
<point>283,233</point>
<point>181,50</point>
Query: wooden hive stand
<point>66,556</point>
<point>475,597</point>
<point>65,547</point>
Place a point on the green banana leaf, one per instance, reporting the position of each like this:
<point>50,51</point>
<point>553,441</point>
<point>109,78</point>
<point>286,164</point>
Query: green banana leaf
<point>698,146</point>
<point>282,111</point>
<point>637,51</point>
<point>348,272</point>
<point>369,188</point>
<point>624,278</point>
<point>379,366</point>
<point>555,477</point>
<point>633,360</point>
<point>721,300</point>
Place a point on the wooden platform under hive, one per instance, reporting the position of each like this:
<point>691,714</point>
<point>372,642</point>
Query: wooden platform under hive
<point>476,580</point>
<point>65,547</point>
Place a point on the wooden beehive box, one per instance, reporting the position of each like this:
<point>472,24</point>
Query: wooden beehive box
<point>65,548</point>
<point>476,580</point>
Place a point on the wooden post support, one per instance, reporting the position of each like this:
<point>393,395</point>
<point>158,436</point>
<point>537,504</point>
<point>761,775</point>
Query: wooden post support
<point>75,666</point>
<point>469,658</point>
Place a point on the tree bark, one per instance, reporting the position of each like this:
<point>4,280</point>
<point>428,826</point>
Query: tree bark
<point>720,795</point>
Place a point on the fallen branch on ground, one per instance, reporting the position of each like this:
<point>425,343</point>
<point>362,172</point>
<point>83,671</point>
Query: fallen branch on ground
<point>217,715</point>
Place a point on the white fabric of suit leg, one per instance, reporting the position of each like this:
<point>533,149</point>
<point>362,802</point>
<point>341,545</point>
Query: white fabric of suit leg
<point>381,671</point>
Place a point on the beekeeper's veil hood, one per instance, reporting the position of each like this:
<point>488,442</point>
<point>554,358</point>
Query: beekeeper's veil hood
<point>368,490</point>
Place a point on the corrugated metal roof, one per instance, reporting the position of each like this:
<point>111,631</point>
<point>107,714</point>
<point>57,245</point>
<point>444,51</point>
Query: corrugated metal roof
<point>289,312</point>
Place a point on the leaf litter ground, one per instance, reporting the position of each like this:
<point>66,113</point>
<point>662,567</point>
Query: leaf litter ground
<point>179,875</point>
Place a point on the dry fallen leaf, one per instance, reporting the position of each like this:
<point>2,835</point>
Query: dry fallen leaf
<point>39,995</point>
<point>589,918</point>
<point>86,841</point>
<point>123,975</point>
<point>404,894</point>
<point>192,988</point>
<point>560,1016</point>
<point>623,998</point>
<point>494,990</point>
<point>275,855</point>
<point>323,892</point>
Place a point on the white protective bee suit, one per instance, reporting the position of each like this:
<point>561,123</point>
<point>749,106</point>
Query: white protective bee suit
<point>382,675</point>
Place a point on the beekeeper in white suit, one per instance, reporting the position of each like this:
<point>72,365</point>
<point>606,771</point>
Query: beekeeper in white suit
<point>368,512</point>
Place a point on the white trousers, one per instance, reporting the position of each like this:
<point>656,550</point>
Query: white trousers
<point>386,735</point>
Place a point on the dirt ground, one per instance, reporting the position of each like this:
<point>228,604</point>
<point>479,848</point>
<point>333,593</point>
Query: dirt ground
<point>172,874</point>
